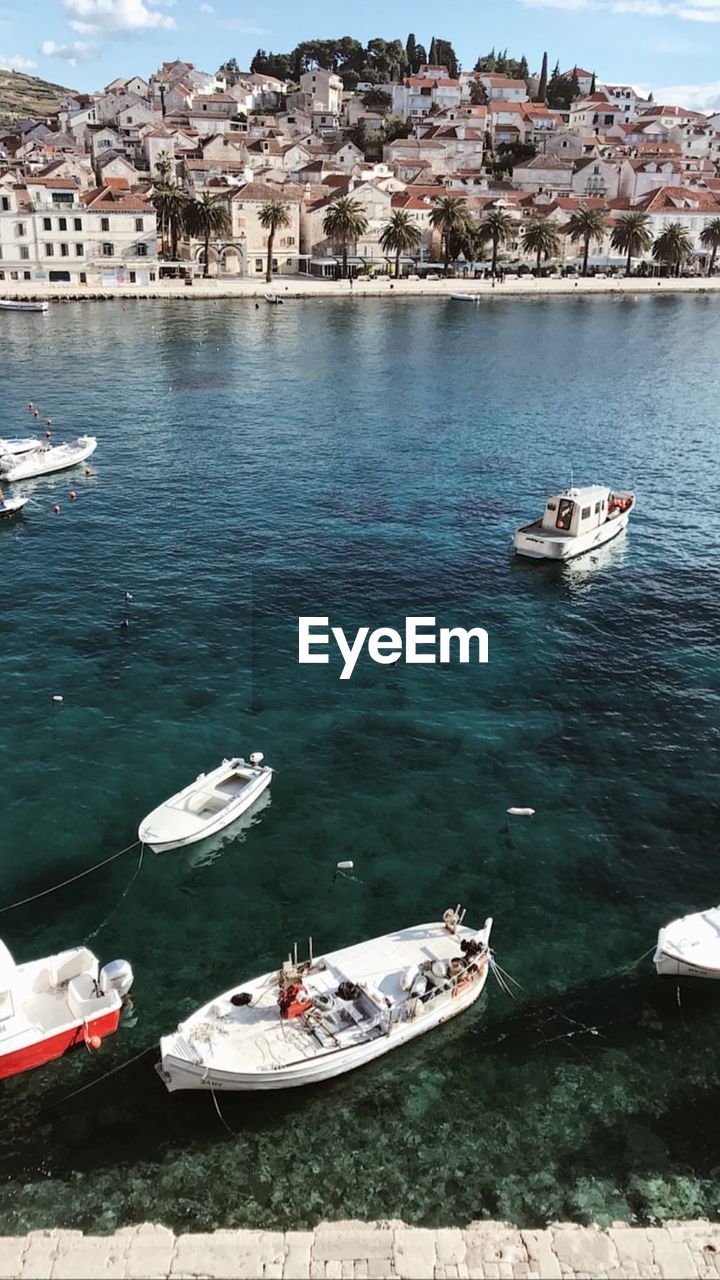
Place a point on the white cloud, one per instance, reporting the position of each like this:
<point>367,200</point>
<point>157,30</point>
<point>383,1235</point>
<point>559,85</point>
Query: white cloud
<point>699,15</point>
<point>16,63</point>
<point>698,97</point>
<point>73,53</point>
<point>206,8</point>
<point>92,16</point>
<point>556,4</point>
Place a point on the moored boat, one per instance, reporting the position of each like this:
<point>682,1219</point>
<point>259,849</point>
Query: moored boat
<point>465,297</point>
<point>273,300</point>
<point>208,804</point>
<point>574,522</point>
<point>47,458</point>
<point>690,946</point>
<point>316,1019</point>
<point>15,304</point>
<point>51,1005</point>
<point>11,506</point>
<point>25,445</point>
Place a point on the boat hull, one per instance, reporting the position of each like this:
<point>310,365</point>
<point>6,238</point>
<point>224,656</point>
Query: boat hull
<point>9,305</point>
<point>531,543</point>
<point>56,1044</point>
<point>178,1073</point>
<point>225,818</point>
<point>46,463</point>
<point>12,507</point>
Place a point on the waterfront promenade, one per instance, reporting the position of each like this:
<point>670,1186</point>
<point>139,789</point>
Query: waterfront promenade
<point>370,1251</point>
<point>287,287</point>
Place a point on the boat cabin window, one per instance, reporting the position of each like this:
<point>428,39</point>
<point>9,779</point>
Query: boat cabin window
<point>585,514</point>
<point>6,1005</point>
<point>564,514</point>
<point>597,508</point>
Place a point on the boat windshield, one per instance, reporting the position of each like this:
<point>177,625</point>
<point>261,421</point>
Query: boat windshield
<point>564,515</point>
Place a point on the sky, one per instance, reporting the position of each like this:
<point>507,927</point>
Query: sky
<point>668,46</point>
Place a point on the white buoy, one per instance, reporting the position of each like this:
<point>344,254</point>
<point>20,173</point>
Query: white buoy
<point>521,813</point>
<point>345,866</point>
<point>57,697</point>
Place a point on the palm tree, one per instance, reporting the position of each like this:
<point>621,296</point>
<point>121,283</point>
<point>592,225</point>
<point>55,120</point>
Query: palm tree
<point>710,239</point>
<point>586,225</point>
<point>345,221</point>
<point>273,216</point>
<point>164,163</point>
<point>206,217</point>
<point>541,238</point>
<point>400,235</point>
<point>449,216</point>
<point>631,235</point>
<point>498,227</point>
<point>170,203</point>
<point>673,246</point>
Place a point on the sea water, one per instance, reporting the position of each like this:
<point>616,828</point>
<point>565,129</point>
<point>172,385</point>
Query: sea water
<point>368,461</point>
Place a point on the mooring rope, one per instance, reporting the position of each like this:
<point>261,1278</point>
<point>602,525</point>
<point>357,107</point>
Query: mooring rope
<point>122,897</point>
<point>22,902</point>
<point>105,1076</point>
<point>221,1117</point>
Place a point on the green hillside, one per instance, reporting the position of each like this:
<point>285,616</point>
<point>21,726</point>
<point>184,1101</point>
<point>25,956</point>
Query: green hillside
<point>22,95</point>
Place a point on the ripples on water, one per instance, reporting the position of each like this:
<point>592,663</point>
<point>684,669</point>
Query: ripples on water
<point>368,461</point>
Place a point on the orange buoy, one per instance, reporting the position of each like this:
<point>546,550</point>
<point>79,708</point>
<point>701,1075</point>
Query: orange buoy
<point>56,509</point>
<point>94,1042</point>
<point>73,495</point>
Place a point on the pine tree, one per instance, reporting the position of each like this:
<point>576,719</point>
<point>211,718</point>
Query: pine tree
<point>542,87</point>
<point>411,51</point>
<point>524,70</point>
<point>592,84</point>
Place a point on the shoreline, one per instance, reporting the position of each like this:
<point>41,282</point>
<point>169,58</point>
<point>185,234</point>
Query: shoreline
<point>296,288</point>
<point>370,1251</point>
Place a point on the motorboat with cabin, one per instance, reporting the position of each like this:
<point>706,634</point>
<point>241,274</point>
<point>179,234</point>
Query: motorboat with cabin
<point>313,1020</point>
<point>47,458</point>
<point>207,805</point>
<point>690,946</point>
<point>52,1005</point>
<point>574,522</point>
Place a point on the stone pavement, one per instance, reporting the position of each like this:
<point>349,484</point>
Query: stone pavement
<point>366,1251</point>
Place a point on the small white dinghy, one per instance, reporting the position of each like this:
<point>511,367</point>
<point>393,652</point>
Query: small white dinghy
<point>11,506</point>
<point>574,522</point>
<point>25,445</point>
<point>465,297</point>
<point>47,458</point>
<point>690,946</point>
<point>14,304</point>
<point>313,1020</point>
<point>211,802</point>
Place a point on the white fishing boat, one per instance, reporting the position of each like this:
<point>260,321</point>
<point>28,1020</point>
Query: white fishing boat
<point>465,297</point>
<point>14,304</point>
<point>51,1005</point>
<point>47,458</point>
<point>11,506</point>
<point>690,946</point>
<point>208,804</point>
<point>316,1019</point>
<point>574,522</point>
<point>25,445</point>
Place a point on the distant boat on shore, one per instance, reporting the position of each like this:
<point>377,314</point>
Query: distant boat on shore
<point>14,304</point>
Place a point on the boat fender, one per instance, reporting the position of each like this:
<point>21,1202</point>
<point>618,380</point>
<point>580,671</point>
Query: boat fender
<point>521,813</point>
<point>36,413</point>
<point>438,969</point>
<point>31,406</point>
<point>419,987</point>
<point>408,978</point>
<point>241,999</point>
<point>72,495</point>
<point>57,697</point>
<point>94,1042</point>
<point>56,509</point>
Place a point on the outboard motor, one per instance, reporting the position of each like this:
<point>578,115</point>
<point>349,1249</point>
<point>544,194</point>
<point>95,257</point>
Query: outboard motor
<point>116,975</point>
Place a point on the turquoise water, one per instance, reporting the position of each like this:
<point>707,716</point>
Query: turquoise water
<point>369,460</point>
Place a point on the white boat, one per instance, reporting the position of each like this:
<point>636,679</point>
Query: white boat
<point>465,297</point>
<point>208,804</point>
<point>51,1005</point>
<point>273,300</point>
<point>690,946</point>
<point>14,304</point>
<point>11,506</point>
<point>47,458</point>
<point>25,445</point>
<point>313,1020</point>
<point>574,522</point>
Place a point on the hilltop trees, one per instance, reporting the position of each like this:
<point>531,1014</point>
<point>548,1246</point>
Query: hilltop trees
<point>501,64</point>
<point>377,62</point>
